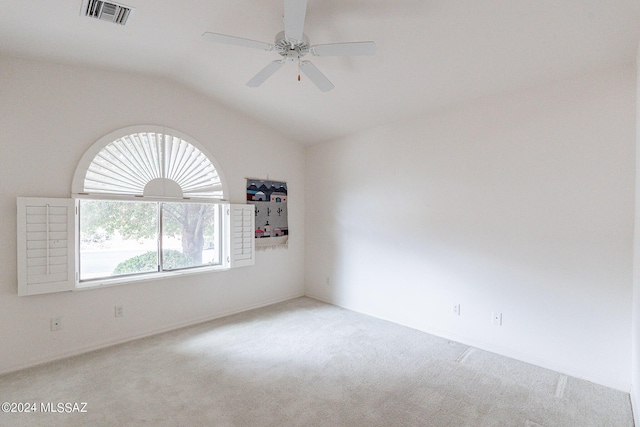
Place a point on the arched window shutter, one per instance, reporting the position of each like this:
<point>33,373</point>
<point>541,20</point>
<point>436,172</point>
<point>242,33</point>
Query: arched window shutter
<point>152,164</point>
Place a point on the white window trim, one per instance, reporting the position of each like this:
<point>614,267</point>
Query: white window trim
<point>144,277</point>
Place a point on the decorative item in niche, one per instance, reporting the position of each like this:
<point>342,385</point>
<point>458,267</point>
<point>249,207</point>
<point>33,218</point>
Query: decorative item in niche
<point>270,204</point>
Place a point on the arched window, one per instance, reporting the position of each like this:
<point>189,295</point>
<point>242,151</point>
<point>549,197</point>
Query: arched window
<point>147,201</point>
<point>148,161</point>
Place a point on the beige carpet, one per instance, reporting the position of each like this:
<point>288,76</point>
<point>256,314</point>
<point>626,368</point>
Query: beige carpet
<point>305,363</point>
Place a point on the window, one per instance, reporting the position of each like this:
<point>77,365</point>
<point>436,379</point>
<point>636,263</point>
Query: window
<point>119,238</point>
<point>148,202</point>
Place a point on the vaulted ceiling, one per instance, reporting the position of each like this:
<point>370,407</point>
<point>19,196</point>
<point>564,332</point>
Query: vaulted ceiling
<point>432,54</point>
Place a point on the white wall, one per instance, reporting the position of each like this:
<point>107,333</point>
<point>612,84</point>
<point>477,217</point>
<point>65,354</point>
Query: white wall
<point>522,204</point>
<point>635,355</point>
<point>49,115</point>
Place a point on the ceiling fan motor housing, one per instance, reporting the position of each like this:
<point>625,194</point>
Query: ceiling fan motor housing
<point>291,50</point>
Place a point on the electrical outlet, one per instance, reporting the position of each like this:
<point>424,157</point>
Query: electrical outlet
<point>119,311</point>
<point>496,318</point>
<point>56,323</point>
<point>456,309</point>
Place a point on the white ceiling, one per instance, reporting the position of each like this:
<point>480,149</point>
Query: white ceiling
<point>432,54</point>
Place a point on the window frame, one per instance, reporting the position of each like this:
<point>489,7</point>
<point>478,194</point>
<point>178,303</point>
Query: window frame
<point>152,275</point>
<point>238,223</point>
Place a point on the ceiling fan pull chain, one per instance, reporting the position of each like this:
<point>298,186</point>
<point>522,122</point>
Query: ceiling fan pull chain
<point>298,69</point>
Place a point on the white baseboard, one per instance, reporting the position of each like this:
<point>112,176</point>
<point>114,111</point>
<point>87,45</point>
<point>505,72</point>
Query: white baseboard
<point>105,344</point>
<point>523,357</point>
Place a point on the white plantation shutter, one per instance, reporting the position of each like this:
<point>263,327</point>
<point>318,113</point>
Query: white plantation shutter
<point>46,245</point>
<point>242,227</point>
<point>128,164</point>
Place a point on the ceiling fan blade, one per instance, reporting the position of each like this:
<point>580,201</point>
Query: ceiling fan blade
<point>294,14</point>
<point>265,73</point>
<point>316,76</point>
<point>237,41</point>
<point>344,49</point>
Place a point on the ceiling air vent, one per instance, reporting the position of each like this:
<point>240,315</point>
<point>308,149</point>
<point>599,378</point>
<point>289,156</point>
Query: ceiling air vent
<point>106,11</point>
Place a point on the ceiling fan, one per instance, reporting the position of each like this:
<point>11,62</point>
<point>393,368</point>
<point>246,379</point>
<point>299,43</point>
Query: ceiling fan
<point>292,45</point>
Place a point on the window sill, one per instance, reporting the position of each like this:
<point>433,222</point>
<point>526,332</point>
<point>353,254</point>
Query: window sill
<point>126,280</point>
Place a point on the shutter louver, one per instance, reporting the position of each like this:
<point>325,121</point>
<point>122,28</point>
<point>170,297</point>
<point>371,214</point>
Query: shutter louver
<point>129,163</point>
<point>46,245</point>
<point>242,238</point>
